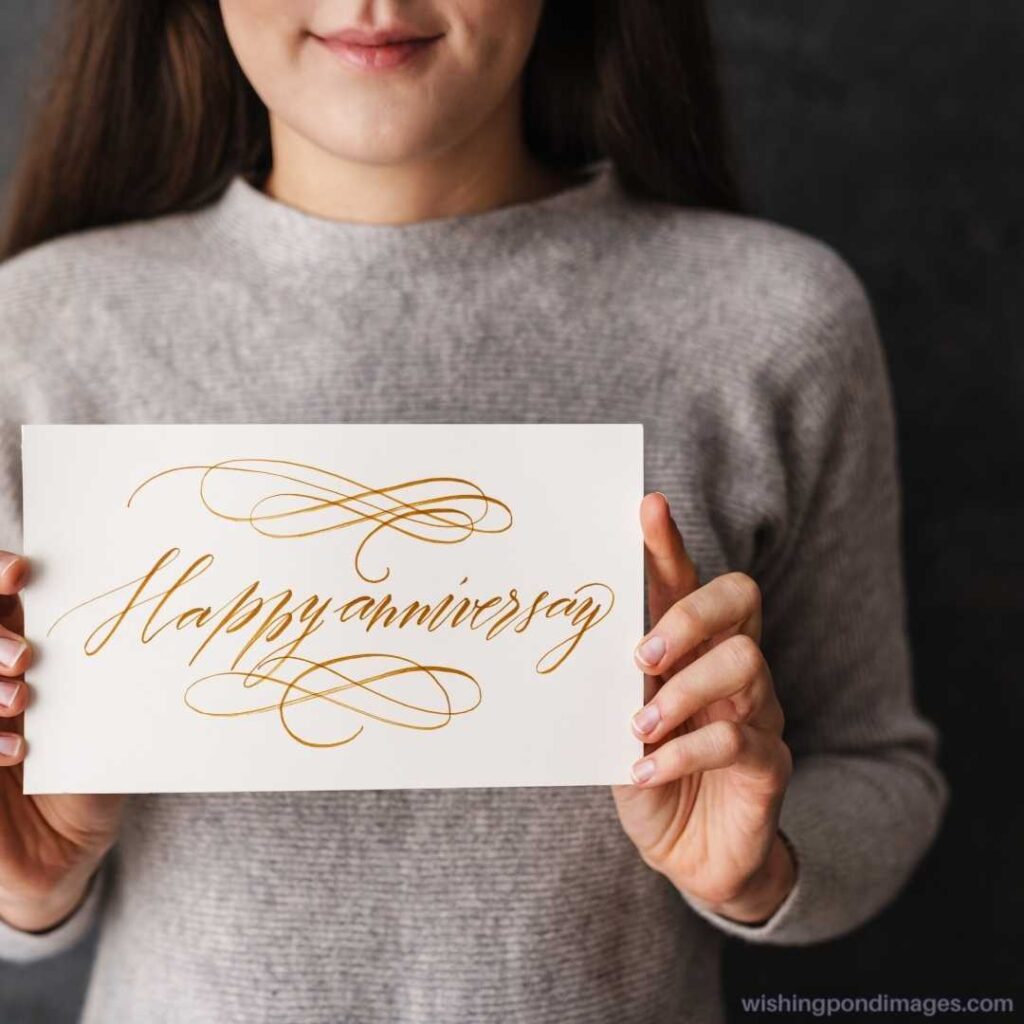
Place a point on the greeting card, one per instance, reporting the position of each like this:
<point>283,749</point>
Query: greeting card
<point>306,607</point>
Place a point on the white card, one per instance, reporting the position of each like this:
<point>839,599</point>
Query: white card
<point>331,607</point>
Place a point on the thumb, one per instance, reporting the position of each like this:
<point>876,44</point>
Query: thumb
<point>671,574</point>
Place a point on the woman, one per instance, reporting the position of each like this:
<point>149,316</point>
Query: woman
<point>473,210</point>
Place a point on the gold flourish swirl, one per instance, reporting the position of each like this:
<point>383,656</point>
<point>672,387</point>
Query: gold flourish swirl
<point>436,510</point>
<point>354,685</point>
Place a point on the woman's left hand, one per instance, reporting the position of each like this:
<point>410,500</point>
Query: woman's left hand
<point>705,806</point>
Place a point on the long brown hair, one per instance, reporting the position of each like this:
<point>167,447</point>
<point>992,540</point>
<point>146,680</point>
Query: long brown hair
<point>147,111</point>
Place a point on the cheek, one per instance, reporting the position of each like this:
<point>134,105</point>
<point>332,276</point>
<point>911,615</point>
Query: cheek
<point>489,42</point>
<point>266,37</point>
<point>496,35</point>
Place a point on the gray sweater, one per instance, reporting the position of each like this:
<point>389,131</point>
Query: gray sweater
<point>750,354</point>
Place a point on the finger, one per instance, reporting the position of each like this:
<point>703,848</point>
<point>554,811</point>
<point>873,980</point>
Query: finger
<point>729,603</point>
<point>670,572</point>
<point>721,744</point>
<point>733,672</point>
<point>13,697</point>
<point>14,653</point>
<point>12,749</point>
<point>13,572</point>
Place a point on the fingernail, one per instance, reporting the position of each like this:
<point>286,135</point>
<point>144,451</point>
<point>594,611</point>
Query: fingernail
<point>10,651</point>
<point>6,561</point>
<point>651,651</point>
<point>10,744</point>
<point>646,719</point>
<point>8,691</point>
<point>643,770</point>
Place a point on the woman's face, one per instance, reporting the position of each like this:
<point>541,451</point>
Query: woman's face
<point>383,81</point>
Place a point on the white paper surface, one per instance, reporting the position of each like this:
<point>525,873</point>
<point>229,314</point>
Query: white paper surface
<point>331,607</point>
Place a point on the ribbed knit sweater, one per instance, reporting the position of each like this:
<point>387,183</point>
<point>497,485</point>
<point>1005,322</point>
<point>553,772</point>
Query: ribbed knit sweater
<point>751,356</point>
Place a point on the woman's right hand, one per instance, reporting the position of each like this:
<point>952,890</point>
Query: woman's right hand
<point>50,846</point>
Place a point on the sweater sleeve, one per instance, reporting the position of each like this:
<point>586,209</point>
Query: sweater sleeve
<point>866,797</point>
<point>17,945</point>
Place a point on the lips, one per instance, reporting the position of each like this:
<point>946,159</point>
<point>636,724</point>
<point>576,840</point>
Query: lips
<point>379,49</point>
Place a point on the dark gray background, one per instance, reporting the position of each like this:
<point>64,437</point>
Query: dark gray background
<point>892,131</point>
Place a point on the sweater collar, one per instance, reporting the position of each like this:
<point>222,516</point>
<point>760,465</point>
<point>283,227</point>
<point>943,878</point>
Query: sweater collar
<point>249,222</point>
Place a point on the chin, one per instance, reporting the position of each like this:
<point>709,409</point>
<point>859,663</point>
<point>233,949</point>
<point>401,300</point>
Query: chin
<point>375,140</point>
